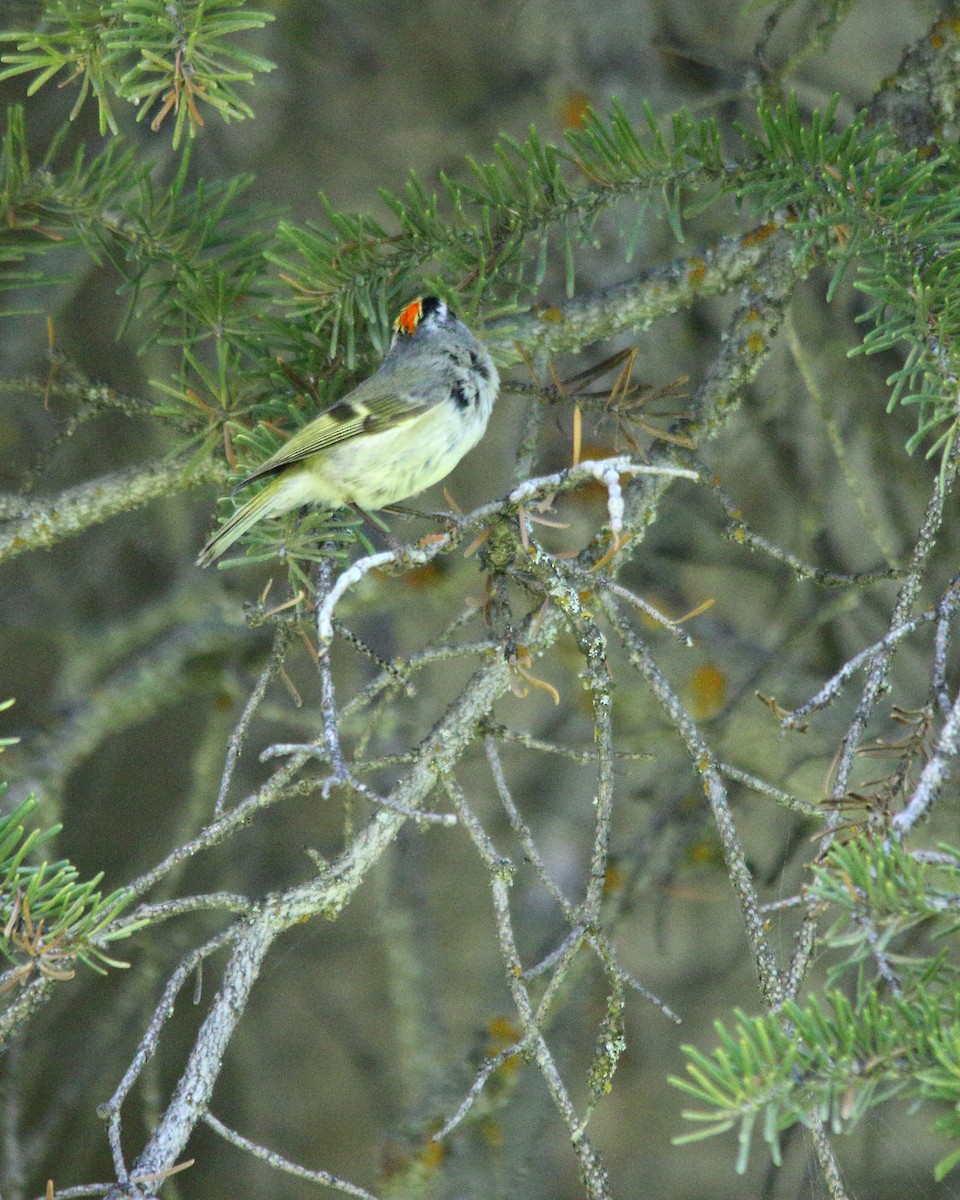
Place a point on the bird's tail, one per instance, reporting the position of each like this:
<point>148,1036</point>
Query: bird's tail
<point>265,503</point>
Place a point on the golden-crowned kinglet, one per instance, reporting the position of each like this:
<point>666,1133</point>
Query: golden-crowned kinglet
<point>399,431</point>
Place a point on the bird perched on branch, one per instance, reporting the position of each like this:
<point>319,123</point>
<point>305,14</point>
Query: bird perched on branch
<point>399,431</point>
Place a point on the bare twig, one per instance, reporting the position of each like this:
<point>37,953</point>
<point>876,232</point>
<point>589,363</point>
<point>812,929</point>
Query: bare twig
<point>274,663</point>
<point>579,930</point>
<point>880,666</point>
<point>741,533</point>
<point>592,1171</point>
<point>273,1159</point>
<point>934,774</point>
<point>704,763</point>
<point>831,688</point>
<point>606,470</point>
<point>111,1110</point>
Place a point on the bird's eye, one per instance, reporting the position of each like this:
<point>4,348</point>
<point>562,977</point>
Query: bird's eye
<point>431,306</point>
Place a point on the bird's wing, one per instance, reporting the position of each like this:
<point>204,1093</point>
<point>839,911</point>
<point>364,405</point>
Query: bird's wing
<point>356,414</point>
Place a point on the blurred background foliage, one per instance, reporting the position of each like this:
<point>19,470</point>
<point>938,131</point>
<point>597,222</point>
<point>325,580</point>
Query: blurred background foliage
<point>130,667</point>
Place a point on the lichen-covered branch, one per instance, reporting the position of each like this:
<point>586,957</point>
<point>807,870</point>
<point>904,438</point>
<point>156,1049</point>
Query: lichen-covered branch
<point>41,523</point>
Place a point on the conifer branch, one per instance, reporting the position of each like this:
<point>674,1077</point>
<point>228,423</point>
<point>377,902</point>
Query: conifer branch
<point>43,523</point>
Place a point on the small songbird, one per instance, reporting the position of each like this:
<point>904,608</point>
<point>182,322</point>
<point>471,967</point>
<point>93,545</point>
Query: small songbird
<point>399,431</point>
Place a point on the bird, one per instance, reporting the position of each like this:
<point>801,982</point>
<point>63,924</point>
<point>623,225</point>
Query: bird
<point>403,428</point>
